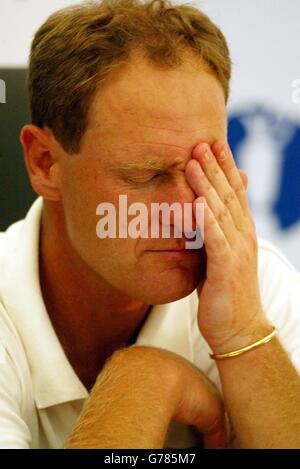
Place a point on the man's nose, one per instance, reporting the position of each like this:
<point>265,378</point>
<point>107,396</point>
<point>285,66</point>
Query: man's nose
<point>180,193</point>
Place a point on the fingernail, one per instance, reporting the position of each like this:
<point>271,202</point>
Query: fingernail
<point>207,155</point>
<point>223,154</point>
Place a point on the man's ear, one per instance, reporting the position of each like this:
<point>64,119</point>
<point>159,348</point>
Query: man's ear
<point>40,160</point>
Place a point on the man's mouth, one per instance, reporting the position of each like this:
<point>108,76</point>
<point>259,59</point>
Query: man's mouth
<point>175,253</point>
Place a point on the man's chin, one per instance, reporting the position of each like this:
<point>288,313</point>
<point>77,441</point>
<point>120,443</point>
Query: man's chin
<point>172,289</point>
<point>177,279</point>
<point>171,297</point>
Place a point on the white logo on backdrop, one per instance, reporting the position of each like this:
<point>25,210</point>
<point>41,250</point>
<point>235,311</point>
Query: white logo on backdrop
<point>267,146</point>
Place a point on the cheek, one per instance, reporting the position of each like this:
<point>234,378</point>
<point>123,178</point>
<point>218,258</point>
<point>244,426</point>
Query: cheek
<point>80,195</point>
<point>82,192</point>
<point>83,188</point>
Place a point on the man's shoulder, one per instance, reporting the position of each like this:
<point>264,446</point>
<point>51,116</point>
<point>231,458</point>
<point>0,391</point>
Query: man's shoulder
<point>268,252</point>
<point>17,237</point>
<point>9,337</point>
<point>18,420</point>
<point>12,251</point>
<point>8,239</point>
<point>277,276</point>
<point>13,355</point>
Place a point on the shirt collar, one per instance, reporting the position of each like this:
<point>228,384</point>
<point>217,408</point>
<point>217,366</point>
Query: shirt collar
<point>54,380</point>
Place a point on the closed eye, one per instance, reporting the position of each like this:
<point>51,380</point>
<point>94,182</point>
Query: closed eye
<point>145,179</point>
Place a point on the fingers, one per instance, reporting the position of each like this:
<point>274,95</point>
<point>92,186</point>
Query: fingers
<point>201,185</point>
<point>212,174</point>
<point>216,437</point>
<point>217,245</point>
<point>217,179</point>
<point>244,178</point>
<point>227,164</point>
<point>201,406</point>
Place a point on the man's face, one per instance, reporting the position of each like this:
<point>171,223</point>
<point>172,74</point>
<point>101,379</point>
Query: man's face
<point>142,114</point>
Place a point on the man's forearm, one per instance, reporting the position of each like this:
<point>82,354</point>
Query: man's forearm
<point>262,395</point>
<point>117,416</point>
<point>129,427</point>
<point>261,388</point>
<point>137,395</point>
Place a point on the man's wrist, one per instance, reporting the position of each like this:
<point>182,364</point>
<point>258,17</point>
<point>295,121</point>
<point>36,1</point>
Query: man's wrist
<point>246,335</point>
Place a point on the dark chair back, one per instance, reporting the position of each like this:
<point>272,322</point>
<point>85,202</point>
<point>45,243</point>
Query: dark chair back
<point>16,194</point>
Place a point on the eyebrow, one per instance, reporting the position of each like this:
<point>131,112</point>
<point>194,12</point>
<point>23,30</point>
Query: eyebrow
<point>147,164</point>
<point>141,165</point>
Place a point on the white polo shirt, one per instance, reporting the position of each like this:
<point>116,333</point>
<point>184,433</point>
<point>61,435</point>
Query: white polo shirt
<point>40,394</point>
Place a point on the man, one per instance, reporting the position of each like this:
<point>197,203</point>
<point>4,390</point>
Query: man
<point>130,99</point>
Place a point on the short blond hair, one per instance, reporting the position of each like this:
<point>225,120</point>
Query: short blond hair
<point>74,51</point>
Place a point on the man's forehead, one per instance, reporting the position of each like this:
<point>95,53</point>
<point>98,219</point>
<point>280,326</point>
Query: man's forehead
<point>139,145</point>
<point>157,122</point>
<point>159,116</point>
<point>159,155</point>
<point>155,97</point>
<point>162,132</point>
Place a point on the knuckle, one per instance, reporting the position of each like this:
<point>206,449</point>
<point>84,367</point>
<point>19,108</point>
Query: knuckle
<point>239,188</point>
<point>215,170</point>
<point>228,198</point>
<point>222,215</point>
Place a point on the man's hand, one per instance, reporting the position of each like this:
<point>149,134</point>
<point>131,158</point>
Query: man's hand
<point>230,310</point>
<point>138,393</point>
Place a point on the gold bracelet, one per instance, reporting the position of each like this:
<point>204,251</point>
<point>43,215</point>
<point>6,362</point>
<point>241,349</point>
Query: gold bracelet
<point>262,341</point>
